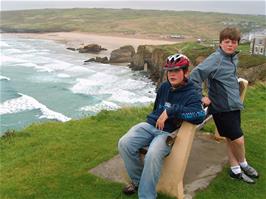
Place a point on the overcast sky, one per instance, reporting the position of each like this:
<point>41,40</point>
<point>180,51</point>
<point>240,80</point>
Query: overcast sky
<point>133,0</point>
<point>129,0</point>
<point>224,6</point>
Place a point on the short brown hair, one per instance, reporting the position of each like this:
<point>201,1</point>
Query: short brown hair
<point>230,33</point>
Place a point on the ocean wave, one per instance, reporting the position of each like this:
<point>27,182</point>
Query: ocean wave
<point>7,59</point>
<point>57,65</point>
<point>131,84</point>
<point>24,103</point>
<point>127,97</point>
<point>4,78</point>
<point>3,44</point>
<point>28,55</point>
<point>13,51</point>
<point>86,86</point>
<point>96,84</point>
<point>123,92</point>
<point>63,75</point>
<point>79,70</point>
<point>104,105</point>
<point>42,64</point>
<point>39,68</point>
<point>28,64</point>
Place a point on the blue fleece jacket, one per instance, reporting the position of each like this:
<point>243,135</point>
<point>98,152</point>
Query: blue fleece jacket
<point>223,87</point>
<point>182,103</point>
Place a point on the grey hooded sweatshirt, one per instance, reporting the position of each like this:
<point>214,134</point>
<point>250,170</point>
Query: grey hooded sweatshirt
<point>219,69</point>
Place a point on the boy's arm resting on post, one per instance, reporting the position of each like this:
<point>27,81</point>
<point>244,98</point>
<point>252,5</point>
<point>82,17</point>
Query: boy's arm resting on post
<point>191,112</point>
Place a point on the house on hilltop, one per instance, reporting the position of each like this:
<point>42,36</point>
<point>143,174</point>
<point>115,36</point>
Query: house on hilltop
<point>258,45</point>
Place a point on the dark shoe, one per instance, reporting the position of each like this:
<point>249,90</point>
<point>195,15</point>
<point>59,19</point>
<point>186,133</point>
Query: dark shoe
<point>250,171</point>
<point>130,189</point>
<point>241,176</point>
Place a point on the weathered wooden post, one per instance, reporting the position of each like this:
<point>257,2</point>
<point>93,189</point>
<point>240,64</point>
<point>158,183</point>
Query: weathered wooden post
<point>172,174</point>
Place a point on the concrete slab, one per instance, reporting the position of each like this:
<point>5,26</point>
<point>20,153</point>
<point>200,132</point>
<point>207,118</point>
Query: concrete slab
<point>206,160</point>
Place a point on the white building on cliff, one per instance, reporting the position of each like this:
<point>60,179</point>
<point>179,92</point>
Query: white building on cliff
<point>258,45</point>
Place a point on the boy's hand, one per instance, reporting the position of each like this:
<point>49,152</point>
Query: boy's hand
<point>161,120</point>
<point>206,101</point>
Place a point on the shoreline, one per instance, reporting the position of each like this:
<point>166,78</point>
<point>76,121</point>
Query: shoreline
<point>79,39</point>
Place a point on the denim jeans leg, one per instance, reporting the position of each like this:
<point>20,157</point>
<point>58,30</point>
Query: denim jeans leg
<point>153,162</point>
<point>137,137</point>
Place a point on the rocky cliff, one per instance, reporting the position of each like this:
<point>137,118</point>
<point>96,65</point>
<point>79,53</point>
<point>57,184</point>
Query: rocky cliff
<point>122,55</point>
<point>254,73</point>
<point>150,59</point>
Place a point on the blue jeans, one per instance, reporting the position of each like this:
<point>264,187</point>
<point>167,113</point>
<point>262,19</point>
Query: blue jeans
<point>144,176</point>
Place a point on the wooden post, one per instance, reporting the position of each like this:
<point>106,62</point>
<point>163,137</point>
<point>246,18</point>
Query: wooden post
<point>172,174</point>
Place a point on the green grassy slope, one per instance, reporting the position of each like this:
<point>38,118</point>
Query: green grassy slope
<point>52,160</point>
<point>254,127</point>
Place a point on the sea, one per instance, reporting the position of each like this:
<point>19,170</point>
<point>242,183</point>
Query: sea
<point>42,81</point>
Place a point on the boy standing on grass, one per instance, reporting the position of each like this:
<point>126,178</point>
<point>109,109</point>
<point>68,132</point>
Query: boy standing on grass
<point>223,99</point>
<point>176,100</point>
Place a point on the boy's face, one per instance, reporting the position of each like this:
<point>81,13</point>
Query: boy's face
<point>175,77</point>
<point>229,46</point>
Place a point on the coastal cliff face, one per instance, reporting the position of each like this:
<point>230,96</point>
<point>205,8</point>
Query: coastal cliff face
<point>122,55</point>
<point>150,59</point>
<point>253,73</point>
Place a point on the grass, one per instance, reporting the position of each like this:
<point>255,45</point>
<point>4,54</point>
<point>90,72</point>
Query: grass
<point>254,127</point>
<point>52,160</point>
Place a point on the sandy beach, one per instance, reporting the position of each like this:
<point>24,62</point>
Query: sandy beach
<point>78,39</point>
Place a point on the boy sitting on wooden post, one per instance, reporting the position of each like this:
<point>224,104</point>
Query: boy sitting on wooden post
<point>176,101</point>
